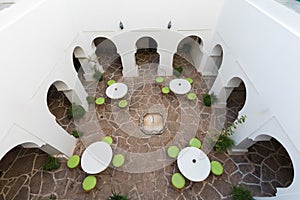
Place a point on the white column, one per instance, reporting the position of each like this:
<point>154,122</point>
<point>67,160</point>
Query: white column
<point>129,65</point>
<point>165,67</point>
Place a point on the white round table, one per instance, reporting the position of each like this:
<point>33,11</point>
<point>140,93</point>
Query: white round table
<point>180,86</point>
<point>96,157</point>
<point>117,90</point>
<point>193,164</point>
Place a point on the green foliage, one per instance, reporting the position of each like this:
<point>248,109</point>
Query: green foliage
<point>209,99</point>
<point>98,75</point>
<point>77,134</point>
<point>177,71</point>
<point>241,193</point>
<point>117,196</point>
<point>76,111</point>
<point>221,142</point>
<point>90,99</point>
<point>51,164</point>
<point>52,197</point>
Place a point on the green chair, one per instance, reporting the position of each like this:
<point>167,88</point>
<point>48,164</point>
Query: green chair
<point>110,82</point>
<point>191,96</point>
<point>159,79</point>
<point>107,139</point>
<point>118,160</point>
<point>123,103</point>
<point>195,142</point>
<point>100,101</point>
<point>165,90</point>
<point>178,181</point>
<point>73,161</point>
<point>173,151</point>
<point>190,80</point>
<point>216,168</point>
<point>89,183</point>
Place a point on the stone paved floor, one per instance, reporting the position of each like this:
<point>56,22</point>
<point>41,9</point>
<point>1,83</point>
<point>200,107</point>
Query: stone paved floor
<point>264,167</point>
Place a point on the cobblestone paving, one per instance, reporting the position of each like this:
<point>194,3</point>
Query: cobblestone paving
<point>265,167</point>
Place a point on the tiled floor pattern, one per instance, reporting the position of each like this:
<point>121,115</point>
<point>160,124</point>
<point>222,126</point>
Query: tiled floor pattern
<point>265,167</point>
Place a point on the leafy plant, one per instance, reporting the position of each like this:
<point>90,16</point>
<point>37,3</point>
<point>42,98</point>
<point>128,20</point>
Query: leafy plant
<point>51,164</point>
<point>90,99</point>
<point>77,134</point>
<point>52,197</point>
<point>241,193</point>
<point>76,111</point>
<point>177,71</point>
<point>98,75</point>
<point>117,196</point>
<point>221,142</point>
<point>209,99</point>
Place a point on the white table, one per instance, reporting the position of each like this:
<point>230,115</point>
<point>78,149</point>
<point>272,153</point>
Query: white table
<point>96,157</point>
<point>180,86</point>
<point>193,164</point>
<point>117,90</point>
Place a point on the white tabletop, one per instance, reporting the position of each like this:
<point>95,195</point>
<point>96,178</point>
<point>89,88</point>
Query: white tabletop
<point>96,157</point>
<point>117,90</point>
<point>180,86</point>
<point>193,164</point>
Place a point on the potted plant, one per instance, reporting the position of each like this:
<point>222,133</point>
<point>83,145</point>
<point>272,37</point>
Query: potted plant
<point>98,75</point>
<point>209,99</point>
<point>117,196</point>
<point>77,134</point>
<point>90,99</point>
<point>177,71</point>
<point>76,111</point>
<point>51,164</point>
<point>241,193</point>
<point>221,142</point>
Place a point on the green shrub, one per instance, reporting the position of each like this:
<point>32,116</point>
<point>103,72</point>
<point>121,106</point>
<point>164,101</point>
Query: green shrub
<point>177,71</point>
<point>241,193</point>
<point>115,196</point>
<point>223,143</point>
<point>98,75</point>
<point>76,111</point>
<point>51,164</point>
<point>77,134</point>
<point>209,99</point>
<point>90,99</point>
<point>52,197</point>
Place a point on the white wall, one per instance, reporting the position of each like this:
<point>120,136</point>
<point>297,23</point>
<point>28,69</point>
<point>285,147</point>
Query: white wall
<point>265,55</point>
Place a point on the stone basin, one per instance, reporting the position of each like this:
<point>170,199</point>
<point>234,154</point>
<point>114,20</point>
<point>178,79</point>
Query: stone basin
<point>152,123</point>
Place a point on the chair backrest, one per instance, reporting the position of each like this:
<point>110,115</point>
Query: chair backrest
<point>173,151</point>
<point>195,142</point>
<point>178,181</point>
<point>89,183</point>
<point>118,160</point>
<point>216,168</point>
<point>73,161</point>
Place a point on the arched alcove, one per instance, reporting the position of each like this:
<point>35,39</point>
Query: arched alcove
<point>78,58</point>
<point>189,53</point>
<point>236,98</point>
<point>58,104</point>
<point>272,165</point>
<point>146,52</point>
<point>217,56</point>
<point>107,55</point>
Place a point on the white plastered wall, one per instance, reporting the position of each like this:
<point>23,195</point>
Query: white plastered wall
<point>263,52</point>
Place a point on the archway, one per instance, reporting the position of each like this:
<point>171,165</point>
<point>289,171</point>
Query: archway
<point>217,56</point>
<point>236,97</point>
<point>78,58</point>
<point>189,53</point>
<point>58,104</point>
<point>272,165</point>
<point>107,55</point>
<point>146,52</point>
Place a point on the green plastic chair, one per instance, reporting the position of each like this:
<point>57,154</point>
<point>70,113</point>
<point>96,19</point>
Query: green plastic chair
<point>165,90</point>
<point>123,103</point>
<point>173,151</point>
<point>89,183</point>
<point>118,160</point>
<point>195,142</point>
<point>100,101</point>
<point>178,181</point>
<point>191,96</point>
<point>190,80</point>
<point>110,82</point>
<point>107,139</point>
<point>73,161</point>
<point>216,168</point>
<point>159,79</point>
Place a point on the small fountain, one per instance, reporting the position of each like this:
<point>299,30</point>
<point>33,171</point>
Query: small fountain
<point>152,124</point>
